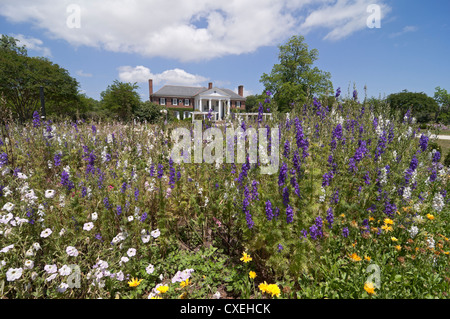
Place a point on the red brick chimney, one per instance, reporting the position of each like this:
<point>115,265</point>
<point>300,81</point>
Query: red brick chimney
<point>150,88</point>
<point>241,90</point>
<point>209,85</point>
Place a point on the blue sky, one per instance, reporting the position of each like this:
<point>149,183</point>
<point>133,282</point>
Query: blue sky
<point>232,43</point>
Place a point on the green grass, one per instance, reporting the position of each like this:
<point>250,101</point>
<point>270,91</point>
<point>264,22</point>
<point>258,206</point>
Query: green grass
<point>445,144</point>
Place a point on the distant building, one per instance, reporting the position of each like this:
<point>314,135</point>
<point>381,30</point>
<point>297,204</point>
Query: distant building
<point>200,99</point>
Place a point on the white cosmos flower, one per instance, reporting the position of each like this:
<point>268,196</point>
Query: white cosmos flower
<point>150,269</point>
<point>131,252</point>
<point>49,193</point>
<point>65,270</point>
<point>8,207</point>
<point>50,269</point>
<point>145,238</point>
<point>88,226</point>
<point>51,277</point>
<point>29,264</point>
<point>46,232</point>
<point>13,274</point>
<point>7,248</point>
<point>72,251</point>
<point>155,233</point>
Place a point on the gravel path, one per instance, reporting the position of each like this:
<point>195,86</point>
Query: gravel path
<point>441,137</point>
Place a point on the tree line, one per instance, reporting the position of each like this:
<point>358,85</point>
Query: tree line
<point>294,80</point>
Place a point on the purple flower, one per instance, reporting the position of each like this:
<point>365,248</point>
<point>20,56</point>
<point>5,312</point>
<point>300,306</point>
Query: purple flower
<point>282,174</point>
<point>36,119</point>
<point>119,209</point>
<point>314,232</point>
<point>337,132</point>
<point>330,218</point>
<point>345,232</point>
<point>280,248</point>
<point>289,214</point>
<point>3,159</point>
<point>436,157</point>
<point>65,181</point>
<point>286,196</point>
<point>57,159</point>
<point>338,92</point>
<point>423,142</point>
<point>326,179</point>
<point>269,212</point>
<point>160,171</point>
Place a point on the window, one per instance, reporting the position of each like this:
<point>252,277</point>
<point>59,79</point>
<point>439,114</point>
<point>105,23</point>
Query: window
<point>174,101</point>
<point>162,101</point>
<point>186,102</point>
<point>238,103</point>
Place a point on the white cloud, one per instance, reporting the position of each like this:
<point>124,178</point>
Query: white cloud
<point>188,30</point>
<point>342,18</point>
<point>32,44</point>
<point>175,76</point>
<point>81,73</point>
<point>406,29</point>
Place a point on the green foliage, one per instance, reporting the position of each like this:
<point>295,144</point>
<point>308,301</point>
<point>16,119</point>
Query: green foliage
<point>447,159</point>
<point>151,112</point>
<point>294,79</point>
<point>121,99</point>
<point>20,79</point>
<point>423,107</point>
<point>442,97</point>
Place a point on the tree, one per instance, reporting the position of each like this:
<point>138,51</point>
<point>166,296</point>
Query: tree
<point>20,79</point>
<point>149,111</point>
<point>121,99</point>
<point>442,97</point>
<point>423,107</point>
<point>295,79</point>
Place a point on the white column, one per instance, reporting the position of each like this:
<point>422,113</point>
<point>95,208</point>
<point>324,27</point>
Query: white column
<point>200,105</point>
<point>228,106</point>
<point>209,105</point>
<point>220,109</point>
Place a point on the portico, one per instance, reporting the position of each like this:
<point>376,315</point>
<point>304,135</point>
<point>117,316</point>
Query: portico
<point>215,100</point>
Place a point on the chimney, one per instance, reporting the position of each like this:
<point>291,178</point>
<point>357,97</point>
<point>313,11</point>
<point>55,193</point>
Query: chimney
<point>241,90</point>
<point>209,85</point>
<point>150,88</point>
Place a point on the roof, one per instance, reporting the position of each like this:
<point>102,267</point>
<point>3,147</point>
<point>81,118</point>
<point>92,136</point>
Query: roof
<point>190,91</point>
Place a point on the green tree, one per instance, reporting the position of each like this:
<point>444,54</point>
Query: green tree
<point>149,111</point>
<point>442,97</point>
<point>423,107</point>
<point>20,79</point>
<point>294,79</point>
<point>121,99</point>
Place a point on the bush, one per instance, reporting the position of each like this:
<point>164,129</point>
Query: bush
<point>149,111</point>
<point>447,159</point>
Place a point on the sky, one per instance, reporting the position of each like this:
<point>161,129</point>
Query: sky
<point>385,46</point>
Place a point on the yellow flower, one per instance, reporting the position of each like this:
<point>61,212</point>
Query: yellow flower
<point>367,258</point>
<point>388,221</point>
<point>398,247</point>
<point>394,239</point>
<point>246,258</point>
<point>185,283</point>
<point>272,289</point>
<point>342,215</point>
<point>368,286</point>
<point>252,274</point>
<point>387,228</point>
<point>430,217</point>
<point>371,219</point>
<point>162,289</point>
<point>355,257</point>
<point>183,295</point>
<point>134,282</point>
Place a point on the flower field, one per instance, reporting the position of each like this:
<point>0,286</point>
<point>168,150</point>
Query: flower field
<point>358,208</point>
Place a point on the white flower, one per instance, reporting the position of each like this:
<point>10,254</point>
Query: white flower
<point>29,264</point>
<point>120,276</point>
<point>13,274</point>
<point>29,252</point>
<point>45,233</point>
<point>216,295</point>
<point>413,231</point>
<point>438,202</point>
<point>145,238</point>
<point>72,251</point>
<point>51,277</point>
<point>130,218</point>
<point>124,260</point>
<point>50,269</point>
<point>36,246</point>
<point>7,248</point>
<point>62,231</point>
<point>49,193</point>
<point>131,252</point>
<point>94,216</point>
<point>8,207</point>
<point>88,226</point>
<point>21,175</point>
<point>150,269</point>
<point>62,287</point>
<point>65,270</point>
<point>155,233</point>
